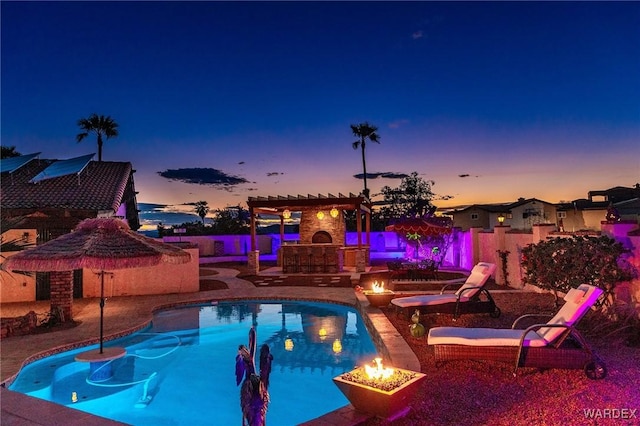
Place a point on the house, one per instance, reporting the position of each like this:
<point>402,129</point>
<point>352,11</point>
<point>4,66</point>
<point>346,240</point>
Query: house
<point>475,216</point>
<point>616,194</point>
<point>626,201</point>
<point>521,214</point>
<point>584,214</point>
<point>589,213</point>
<point>43,199</point>
<point>53,196</point>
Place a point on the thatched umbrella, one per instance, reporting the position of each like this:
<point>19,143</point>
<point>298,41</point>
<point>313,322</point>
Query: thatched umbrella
<point>418,226</point>
<point>102,244</point>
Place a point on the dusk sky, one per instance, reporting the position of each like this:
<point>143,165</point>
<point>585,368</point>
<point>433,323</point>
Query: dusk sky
<point>492,101</point>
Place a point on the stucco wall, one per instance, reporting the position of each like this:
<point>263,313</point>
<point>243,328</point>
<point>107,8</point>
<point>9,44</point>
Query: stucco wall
<point>16,287</point>
<point>486,248</point>
<point>233,245</point>
<point>161,279</point>
<point>592,219</point>
<point>514,243</point>
<point>238,245</point>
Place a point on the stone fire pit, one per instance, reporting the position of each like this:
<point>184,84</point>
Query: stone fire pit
<point>378,296</point>
<point>387,397</point>
<point>379,299</point>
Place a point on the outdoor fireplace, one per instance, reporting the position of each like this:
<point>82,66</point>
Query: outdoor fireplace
<point>327,230</point>
<point>321,237</point>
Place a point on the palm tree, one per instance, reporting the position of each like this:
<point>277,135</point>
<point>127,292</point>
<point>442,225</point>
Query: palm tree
<point>101,126</point>
<point>202,208</point>
<point>364,131</point>
<point>8,152</point>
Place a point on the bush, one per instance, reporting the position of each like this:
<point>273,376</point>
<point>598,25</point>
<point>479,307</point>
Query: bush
<point>560,264</point>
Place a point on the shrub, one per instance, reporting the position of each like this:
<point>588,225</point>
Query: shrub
<point>560,264</point>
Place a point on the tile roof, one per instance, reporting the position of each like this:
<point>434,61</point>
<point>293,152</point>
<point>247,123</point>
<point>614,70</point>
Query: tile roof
<point>491,208</point>
<point>100,186</point>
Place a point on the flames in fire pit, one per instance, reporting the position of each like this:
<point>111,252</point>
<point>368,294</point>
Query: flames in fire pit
<point>378,371</point>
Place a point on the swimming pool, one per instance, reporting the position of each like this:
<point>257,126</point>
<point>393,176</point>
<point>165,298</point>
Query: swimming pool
<point>181,370</point>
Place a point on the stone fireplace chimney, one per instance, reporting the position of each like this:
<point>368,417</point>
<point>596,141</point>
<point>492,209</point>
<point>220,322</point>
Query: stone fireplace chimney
<point>326,230</point>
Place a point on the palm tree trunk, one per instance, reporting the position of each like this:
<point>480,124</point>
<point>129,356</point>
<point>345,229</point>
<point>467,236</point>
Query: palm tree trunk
<point>99,147</point>
<point>364,169</point>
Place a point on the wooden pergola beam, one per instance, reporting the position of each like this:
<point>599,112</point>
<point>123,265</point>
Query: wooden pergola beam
<point>276,205</point>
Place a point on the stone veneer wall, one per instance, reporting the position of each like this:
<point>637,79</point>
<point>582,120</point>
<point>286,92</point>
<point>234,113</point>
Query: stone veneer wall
<point>19,326</point>
<point>310,224</point>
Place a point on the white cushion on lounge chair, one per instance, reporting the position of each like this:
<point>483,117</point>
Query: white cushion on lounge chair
<point>428,299</point>
<point>482,337</point>
<point>578,301</point>
<point>574,295</point>
<point>567,315</point>
<point>478,277</point>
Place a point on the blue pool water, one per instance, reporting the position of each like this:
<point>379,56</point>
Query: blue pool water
<point>181,370</point>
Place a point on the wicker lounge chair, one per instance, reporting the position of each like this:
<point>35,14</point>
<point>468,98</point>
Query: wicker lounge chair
<point>555,344</point>
<point>471,297</point>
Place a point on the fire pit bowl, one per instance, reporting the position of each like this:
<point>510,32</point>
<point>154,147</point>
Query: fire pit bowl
<point>387,398</point>
<point>378,296</point>
<point>379,299</point>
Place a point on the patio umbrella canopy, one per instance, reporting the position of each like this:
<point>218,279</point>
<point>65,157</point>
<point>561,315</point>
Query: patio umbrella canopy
<point>418,226</point>
<point>102,244</point>
<point>97,244</point>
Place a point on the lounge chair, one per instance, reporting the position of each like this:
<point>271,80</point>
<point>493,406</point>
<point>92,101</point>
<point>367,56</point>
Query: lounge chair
<point>555,344</point>
<point>471,297</point>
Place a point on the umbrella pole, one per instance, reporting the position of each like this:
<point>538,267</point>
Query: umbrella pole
<point>101,306</point>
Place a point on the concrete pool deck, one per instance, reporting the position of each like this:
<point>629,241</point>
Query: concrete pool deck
<point>125,314</point>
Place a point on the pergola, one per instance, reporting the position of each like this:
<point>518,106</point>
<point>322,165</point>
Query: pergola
<point>282,206</point>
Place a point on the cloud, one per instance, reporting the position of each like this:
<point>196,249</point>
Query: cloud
<point>203,176</point>
<point>417,34</point>
<point>383,175</point>
<point>275,173</point>
<point>398,123</point>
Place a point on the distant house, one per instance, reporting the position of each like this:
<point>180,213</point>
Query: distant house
<point>629,209</point>
<point>626,201</point>
<point>53,196</point>
<point>616,195</point>
<point>588,213</point>
<point>476,216</point>
<point>521,214</point>
<point>578,215</point>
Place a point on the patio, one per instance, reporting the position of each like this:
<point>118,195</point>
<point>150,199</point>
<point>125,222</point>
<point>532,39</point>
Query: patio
<point>486,389</point>
<point>126,314</point>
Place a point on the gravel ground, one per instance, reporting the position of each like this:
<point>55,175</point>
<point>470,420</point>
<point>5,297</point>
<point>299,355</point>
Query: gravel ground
<point>486,393</point>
